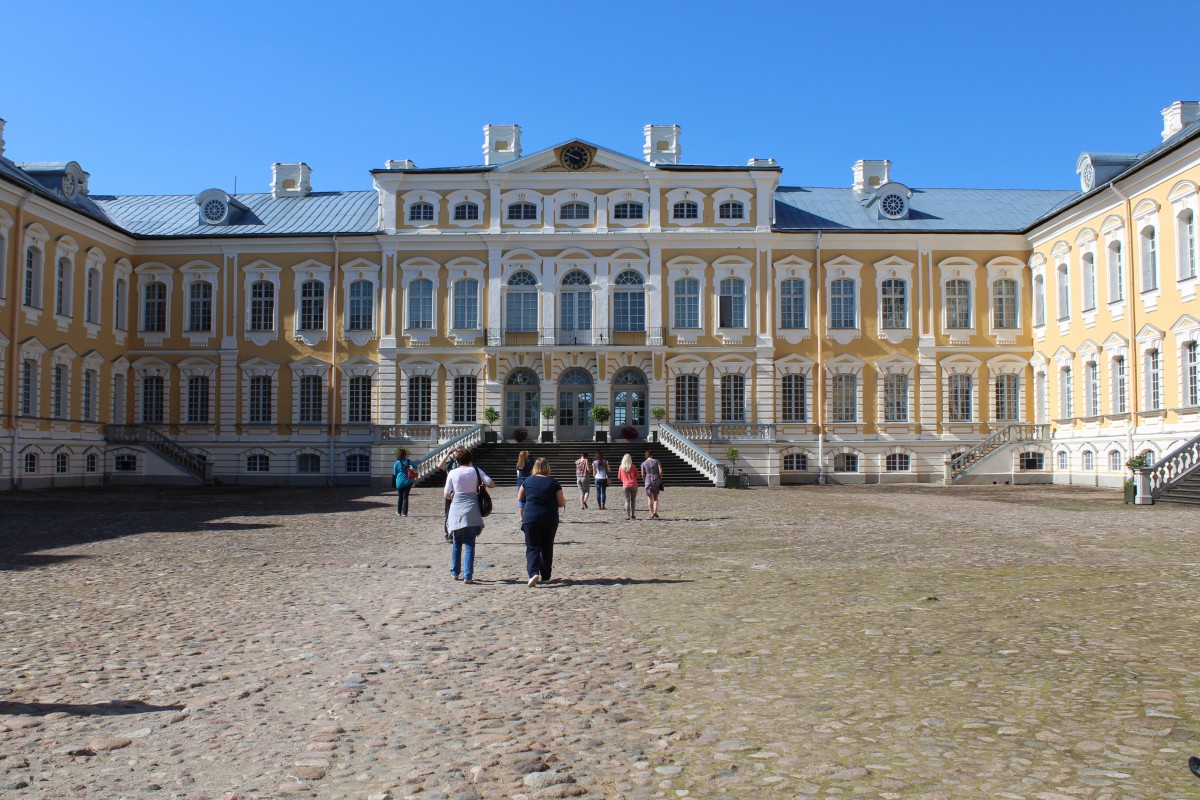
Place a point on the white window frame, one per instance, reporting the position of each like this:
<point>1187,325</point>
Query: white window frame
<point>197,368</point>
<point>845,365</point>
<point>302,273</point>
<point>1145,217</point>
<point>843,268</point>
<point>251,274</point>
<point>737,268</point>
<point>522,196</point>
<point>146,275</point>
<point>359,368</point>
<point>589,199</point>
<point>1005,268</point>
<point>122,277</point>
<point>895,366</point>
<point>93,292</point>
<point>1112,233</point>
<point>412,270</point>
<point>1187,334</point>
<point>1183,199</point>
<point>193,273</point>
<point>455,199</point>
<point>259,368</point>
<point>457,271</point>
<point>410,199</point>
<point>968,366</point>
<point>628,196</point>
<point>62,357</point>
<point>695,269</point>
<point>37,238</point>
<point>65,250</point>
<point>893,269</point>
<point>6,223</point>
<point>300,369</point>
<point>787,269</point>
<point>962,269</point>
<point>151,368</point>
<point>735,196</point>
<point>680,195</point>
<point>361,269</point>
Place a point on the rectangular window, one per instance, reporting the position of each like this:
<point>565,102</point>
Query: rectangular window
<point>260,400</point>
<point>89,395</point>
<point>1119,404</point>
<point>312,306</point>
<point>687,303</point>
<point>154,316</point>
<point>360,399</point>
<point>731,312</point>
<point>1089,282</point>
<point>629,311</point>
<point>420,398</point>
<point>312,393</point>
<point>465,316</point>
<point>795,398</point>
<point>62,288</point>
<point>120,321</point>
<point>420,305</point>
<point>894,304</point>
<point>843,307</point>
<point>32,294</point>
<point>91,310</point>
<point>1091,388</point>
<point>1187,245</point>
<point>1004,303</point>
<point>1149,260</point>
<point>1191,374</point>
<point>687,398</point>
<point>362,306</point>
<point>1066,393</point>
<point>895,398</point>
<point>197,400</point>
<point>152,398</point>
<point>1008,398</point>
<point>1153,380</point>
<point>897,462</point>
<point>200,304</point>
<point>522,312</point>
<point>258,463</point>
<point>464,402</point>
<point>262,306</point>
<point>1116,274</point>
<point>844,398</point>
<point>125,462</point>
<point>958,304</point>
<point>29,388</point>
<point>960,398</point>
<point>792,305</point>
<point>308,463</point>
<point>733,398</point>
<point>58,392</point>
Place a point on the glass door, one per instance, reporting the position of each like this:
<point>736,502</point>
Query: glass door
<point>575,398</point>
<point>630,401</point>
<point>575,310</point>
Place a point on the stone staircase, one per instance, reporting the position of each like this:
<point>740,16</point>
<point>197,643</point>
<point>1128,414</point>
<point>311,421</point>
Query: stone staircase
<point>500,461</point>
<point>1176,478</point>
<point>1187,490</point>
<point>148,436</point>
<point>1007,436</point>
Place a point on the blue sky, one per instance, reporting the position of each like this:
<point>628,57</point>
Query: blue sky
<point>163,98</point>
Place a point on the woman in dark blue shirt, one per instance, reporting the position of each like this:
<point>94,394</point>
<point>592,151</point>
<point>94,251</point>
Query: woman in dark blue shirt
<point>543,498</point>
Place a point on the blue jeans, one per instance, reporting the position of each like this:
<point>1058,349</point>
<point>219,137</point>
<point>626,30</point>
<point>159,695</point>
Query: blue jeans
<point>463,550</point>
<point>601,491</point>
<point>402,500</point>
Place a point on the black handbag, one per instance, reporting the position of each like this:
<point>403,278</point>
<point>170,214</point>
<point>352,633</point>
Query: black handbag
<point>485,499</point>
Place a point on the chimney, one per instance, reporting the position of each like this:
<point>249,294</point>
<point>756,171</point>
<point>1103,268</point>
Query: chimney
<point>1178,116</point>
<point>403,163</point>
<point>501,144</point>
<point>761,162</point>
<point>870,175</point>
<point>662,144</point>
<point>291,180</point>
<point>1,137</point>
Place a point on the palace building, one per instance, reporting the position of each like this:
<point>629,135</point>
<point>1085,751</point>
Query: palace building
<point>877,331</point>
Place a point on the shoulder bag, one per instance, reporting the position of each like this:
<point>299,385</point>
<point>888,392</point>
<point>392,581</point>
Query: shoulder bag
<point>485,499</point>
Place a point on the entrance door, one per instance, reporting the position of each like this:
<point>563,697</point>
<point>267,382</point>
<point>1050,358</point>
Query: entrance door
<point>576,395</point>
<point>630,400</point>
<point>575,310</point>
<point>522,399</point>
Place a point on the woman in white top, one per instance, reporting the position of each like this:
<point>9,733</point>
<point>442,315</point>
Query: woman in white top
<point>463,520</point>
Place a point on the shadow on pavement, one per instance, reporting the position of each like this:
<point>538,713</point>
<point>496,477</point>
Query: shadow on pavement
<point>112,708</point>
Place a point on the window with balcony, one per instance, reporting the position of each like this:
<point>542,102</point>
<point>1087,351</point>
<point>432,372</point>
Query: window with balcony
<point>522,303</point>
<point>629,302</point>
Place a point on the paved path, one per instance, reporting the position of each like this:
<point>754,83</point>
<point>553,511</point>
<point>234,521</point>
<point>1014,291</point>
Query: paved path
<point>877,642</point>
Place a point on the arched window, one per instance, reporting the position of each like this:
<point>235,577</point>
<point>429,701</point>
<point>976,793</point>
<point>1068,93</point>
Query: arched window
<point>522,303</point>
<point>843,391</point>
<point>1089,281</point>
<point>90,463</point>
<point>687,398</point>
<point>31,463</point>
<point>464,400</point>
<point>1116,273</point>
<point>629,302</point>
<point>91,304</point>
<point>1088,459</point>
<point>731,309</point>
<point>1153,380</point>
<point>1008,398</point>
<point>687,303</point>
<point>362,306</point>
<point>845,462</point>
<point>795,462</point>
<point>958,303</point>
<point>793,305</point>
<point>1039,300</point>
<point>1063,460</point>
<point>154,308</point>
<point>794,391</point>
<point>359,397</point>
<point>1191,374</point>
<point>466,212</point>
<point>33,278</point>
<point>731,209</point>
<point>733,398</point>
<point>629,209</point>
<point>894,303</point>
<point>258,462</point>
<point>262,306</point>
<point>312,306</point>
<point>897,462</point>
<point>1185,223</point>
<point>260,400</point>
<point>843,308</point>
<point>1149,259</point>
<point>522,211</point>
<point>575,210</point>
<point>200,307</point>
<point>960,399</point>
<point>895,397</point>
<point>420,212</point>
<point>308,463</point>
<point>1119,405</point>
<point>465,307</point>
<point>312,392</point>
<point>420,304</point>
<point>1114,461</point>
<point>1004,303</point>
<point>63,286</point>
<point>685,209</point>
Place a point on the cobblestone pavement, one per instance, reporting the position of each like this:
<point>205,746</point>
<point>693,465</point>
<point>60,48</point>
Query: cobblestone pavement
<point>1030,643</point>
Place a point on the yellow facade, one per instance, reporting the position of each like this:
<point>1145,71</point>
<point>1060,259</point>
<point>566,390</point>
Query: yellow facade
<point>574,277</point>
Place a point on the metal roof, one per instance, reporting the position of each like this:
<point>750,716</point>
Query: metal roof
<point>263,215</point>
<point>984,210</point>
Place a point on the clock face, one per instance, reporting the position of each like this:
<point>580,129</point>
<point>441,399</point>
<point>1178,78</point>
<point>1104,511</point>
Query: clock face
<point>575,157</point>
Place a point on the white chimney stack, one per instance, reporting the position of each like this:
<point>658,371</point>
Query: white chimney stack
<point>662,144</point>
<point>870,175</point>
<point>1178,116</point>
<point>501,144</point>
<point>1,137</point>
<point>291,180</point>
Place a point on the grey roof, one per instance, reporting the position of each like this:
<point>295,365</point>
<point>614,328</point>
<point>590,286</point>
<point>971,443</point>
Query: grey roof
<point>263,215</point>
<point>41,178</point>
<point>984,210</point>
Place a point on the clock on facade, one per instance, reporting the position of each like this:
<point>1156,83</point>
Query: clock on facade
<point>575,157</point>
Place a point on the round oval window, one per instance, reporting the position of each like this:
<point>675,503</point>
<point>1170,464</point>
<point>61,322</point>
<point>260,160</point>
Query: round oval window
<point>892,206</point>
<point>214,211</point>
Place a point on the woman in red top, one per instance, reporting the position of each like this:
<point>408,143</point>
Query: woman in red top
<point>628,474</point>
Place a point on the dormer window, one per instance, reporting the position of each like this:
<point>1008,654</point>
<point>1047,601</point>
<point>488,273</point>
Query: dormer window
<point>628,210</point>
<point>893,206</point>
<point>420,212</point>
<point>732,210</point>
<point>466,211</point>
<point>216,207</point>
<point>686,209</point>
<point>215,211</point>
<point>521,211</point>
<point>575,210</point>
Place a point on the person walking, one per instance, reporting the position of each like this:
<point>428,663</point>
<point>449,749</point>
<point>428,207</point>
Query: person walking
<point>543,498</point>
<point>600,473</point>
<point>524,470</point>
<point>628,474</point>
<point>404,473</point>
<point>583,478</point>
<point>449,463</point>
<point>464,521</point>
<point>652,474</point>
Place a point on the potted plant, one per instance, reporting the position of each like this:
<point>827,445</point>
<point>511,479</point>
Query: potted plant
<point>628,433</point>
<point>520,435</point>
<point>732,479</point>
<point>659,414</point>
<point>600,415</point>
<point>1140,461</point>
<point>491,416</point>
<point>548,414</point>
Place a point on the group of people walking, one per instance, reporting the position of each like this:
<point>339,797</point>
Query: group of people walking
<point>540,499</point>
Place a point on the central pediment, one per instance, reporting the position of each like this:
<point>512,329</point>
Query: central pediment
<point>575,156</point>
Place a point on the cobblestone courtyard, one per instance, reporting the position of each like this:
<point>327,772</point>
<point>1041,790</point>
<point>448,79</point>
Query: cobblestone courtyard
<point>873,642</point>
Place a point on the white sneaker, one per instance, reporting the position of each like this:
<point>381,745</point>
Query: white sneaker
<point>533,580</point>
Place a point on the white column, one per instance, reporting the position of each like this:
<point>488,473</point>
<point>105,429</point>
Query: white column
<point>654,291</point>
<point>495,294</point>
